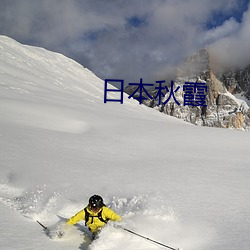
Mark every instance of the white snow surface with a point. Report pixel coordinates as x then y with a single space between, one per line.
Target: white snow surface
182 185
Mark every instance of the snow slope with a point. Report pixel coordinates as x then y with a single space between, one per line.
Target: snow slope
179 184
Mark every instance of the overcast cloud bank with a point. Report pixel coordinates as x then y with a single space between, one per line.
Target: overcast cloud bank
131 39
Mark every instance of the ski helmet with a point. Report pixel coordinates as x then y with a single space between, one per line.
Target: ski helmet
95 202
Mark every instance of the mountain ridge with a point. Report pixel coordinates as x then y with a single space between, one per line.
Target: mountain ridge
223 108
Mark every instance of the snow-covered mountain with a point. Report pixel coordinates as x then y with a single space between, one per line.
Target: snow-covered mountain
237 81
182 185
227 95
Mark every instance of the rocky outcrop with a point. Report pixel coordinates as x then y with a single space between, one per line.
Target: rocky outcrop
223 108
237 81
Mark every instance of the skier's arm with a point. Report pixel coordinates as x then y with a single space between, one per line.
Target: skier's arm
77 217
110 214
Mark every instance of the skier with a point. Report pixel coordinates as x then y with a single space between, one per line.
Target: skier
95 214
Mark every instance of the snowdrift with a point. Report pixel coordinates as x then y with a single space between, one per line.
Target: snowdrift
182 185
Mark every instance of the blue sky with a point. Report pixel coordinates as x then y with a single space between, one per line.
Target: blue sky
131 39
218 17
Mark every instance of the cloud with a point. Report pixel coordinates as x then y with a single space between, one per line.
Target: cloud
233 49
228 28
130 39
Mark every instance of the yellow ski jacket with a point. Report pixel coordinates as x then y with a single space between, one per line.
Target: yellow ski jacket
94 223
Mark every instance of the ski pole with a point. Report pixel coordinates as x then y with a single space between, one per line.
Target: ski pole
146 238
45 228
